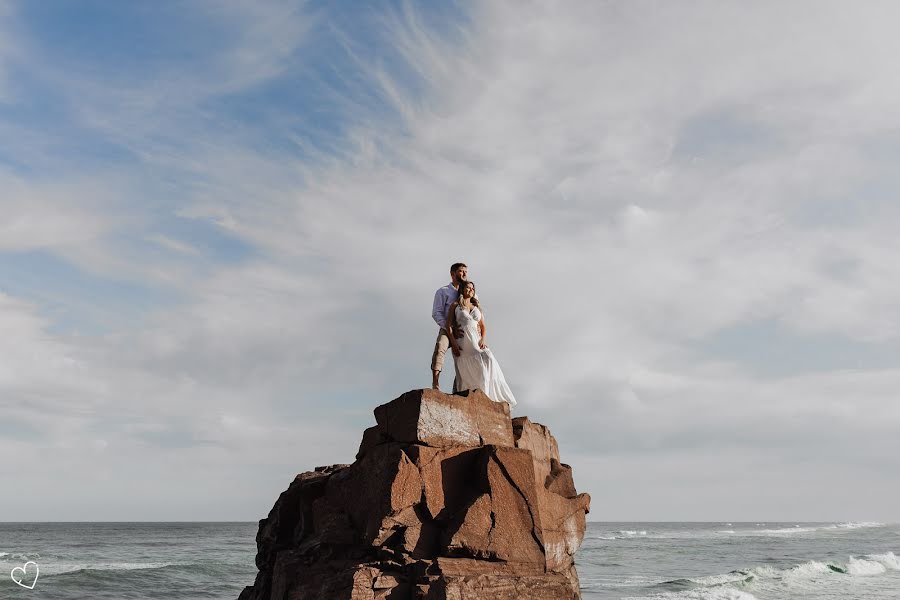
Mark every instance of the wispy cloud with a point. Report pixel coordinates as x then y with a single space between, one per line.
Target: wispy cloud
174 245
627 181
43 214
7 46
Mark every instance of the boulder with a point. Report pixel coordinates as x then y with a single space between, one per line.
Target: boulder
432 418
449 498
448 477
562 509
546 586
503 523
374 489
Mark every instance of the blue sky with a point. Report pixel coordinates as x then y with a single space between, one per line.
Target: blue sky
224 224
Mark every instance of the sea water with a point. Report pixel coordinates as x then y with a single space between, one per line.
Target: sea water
741 561
666 561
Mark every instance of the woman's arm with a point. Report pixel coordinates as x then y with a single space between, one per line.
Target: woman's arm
482 343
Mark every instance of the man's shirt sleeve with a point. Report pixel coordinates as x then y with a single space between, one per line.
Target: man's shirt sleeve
439 310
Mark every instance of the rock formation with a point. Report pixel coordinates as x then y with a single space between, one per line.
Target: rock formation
449 499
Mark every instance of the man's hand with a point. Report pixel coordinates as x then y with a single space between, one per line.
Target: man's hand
482 344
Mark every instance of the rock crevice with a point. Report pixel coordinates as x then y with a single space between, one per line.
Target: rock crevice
449 499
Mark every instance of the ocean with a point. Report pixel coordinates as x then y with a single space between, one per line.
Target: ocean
740 561
665 561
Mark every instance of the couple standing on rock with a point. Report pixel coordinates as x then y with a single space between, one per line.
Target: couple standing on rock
458 313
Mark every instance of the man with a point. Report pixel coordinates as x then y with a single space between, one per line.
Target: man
443 298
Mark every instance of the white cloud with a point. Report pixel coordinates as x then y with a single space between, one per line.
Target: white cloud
623 179
8 47
49 215
174 245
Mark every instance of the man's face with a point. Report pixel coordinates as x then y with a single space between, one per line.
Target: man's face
460 275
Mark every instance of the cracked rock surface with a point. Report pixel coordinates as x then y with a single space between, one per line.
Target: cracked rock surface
449 499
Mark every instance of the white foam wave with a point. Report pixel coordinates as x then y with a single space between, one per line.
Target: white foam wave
861 566
814 528
870 564
715 593
725 586
61 569
889 560
622 535
759 530
862 525
711 580
790 530
767 572
20 555
807 570
764 579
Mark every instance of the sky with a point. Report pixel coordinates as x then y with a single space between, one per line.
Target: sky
223 225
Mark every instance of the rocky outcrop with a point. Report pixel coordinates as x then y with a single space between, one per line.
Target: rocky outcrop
449 499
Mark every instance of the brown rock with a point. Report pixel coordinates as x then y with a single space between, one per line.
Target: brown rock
548 586
563 522
504 522
334 579
433 418
443 502
515 495
385 582
463 567
331 524
562 508
408 533
448 477
379 485
372 436
536 438
291 517
472 538
560 481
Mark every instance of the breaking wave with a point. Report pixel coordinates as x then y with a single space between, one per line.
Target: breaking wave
624 535
21 555
811 529
737 585
722 593
739 530
64 569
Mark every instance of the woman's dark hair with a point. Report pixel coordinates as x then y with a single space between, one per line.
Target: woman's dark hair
474 300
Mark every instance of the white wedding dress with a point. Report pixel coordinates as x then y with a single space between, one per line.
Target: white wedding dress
477 368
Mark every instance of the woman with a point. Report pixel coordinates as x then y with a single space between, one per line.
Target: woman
476 367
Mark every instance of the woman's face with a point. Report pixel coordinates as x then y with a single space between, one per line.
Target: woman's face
468 291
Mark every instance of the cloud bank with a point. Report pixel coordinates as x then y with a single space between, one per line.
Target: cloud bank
681 221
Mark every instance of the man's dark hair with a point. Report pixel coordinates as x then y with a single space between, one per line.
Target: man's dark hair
455 266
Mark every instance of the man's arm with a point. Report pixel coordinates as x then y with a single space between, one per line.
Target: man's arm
451 328
439 309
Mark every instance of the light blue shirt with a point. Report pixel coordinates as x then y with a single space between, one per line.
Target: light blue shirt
443 298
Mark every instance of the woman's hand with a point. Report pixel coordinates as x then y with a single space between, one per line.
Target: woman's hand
482 343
